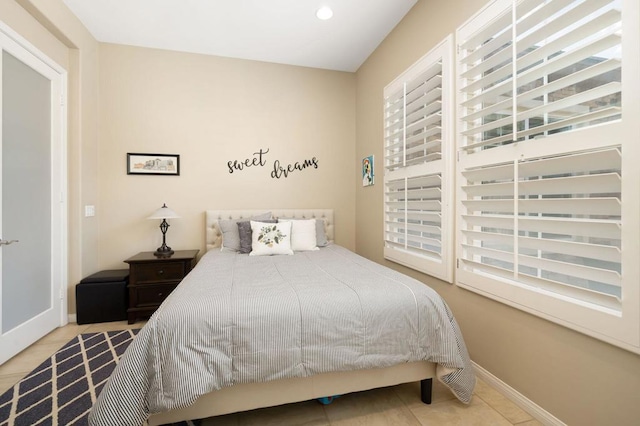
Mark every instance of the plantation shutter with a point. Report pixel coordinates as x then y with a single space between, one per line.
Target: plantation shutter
567 72
552 223
418 152
540 161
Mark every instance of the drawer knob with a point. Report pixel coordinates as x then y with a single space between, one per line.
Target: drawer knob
160 272
159 294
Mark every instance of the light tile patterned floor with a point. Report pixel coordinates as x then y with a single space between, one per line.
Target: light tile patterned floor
396 405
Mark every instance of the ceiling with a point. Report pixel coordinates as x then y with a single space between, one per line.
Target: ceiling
280 31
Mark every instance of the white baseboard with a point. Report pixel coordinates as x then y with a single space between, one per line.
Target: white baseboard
539 413
72 318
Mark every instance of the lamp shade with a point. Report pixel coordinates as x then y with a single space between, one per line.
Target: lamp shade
164 212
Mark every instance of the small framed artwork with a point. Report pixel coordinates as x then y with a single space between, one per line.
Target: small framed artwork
367 171
153 164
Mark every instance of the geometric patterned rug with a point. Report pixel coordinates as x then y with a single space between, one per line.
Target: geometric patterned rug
62 389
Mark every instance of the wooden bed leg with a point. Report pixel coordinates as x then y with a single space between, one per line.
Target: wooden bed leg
426 386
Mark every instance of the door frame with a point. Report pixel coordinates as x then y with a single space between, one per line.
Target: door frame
26 52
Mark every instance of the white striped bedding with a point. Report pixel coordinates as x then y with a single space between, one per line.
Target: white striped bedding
237 319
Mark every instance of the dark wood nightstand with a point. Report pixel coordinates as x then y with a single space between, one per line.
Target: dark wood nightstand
152 278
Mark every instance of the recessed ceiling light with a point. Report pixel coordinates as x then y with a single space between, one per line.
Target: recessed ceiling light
324 13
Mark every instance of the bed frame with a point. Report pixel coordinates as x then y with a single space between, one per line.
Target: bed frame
250 396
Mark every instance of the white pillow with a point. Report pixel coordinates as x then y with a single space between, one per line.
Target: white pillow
303 234
270 238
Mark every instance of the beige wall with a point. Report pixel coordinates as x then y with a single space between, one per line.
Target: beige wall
579 380
21 22
212 110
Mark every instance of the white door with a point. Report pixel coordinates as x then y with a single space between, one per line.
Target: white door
32 195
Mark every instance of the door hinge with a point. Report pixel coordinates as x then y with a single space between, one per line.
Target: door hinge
458 263
61 294
61 100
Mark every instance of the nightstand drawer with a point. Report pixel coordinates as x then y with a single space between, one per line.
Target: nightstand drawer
153 278
158 272
153 295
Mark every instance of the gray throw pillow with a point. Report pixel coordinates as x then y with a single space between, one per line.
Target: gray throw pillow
229 229
321 235
244 229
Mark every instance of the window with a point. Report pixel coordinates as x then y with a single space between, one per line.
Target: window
418 165
545 172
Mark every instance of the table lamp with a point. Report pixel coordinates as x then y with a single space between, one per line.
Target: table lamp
164 213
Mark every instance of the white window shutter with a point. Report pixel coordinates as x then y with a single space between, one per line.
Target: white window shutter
540 173
418 147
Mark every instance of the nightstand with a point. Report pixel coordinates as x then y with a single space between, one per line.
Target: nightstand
152 278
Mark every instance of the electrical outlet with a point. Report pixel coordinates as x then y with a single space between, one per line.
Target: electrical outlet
89 211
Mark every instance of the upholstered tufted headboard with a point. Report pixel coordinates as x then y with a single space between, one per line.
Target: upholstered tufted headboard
213 235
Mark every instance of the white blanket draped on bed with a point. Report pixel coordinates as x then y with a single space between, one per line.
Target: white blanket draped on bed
237 319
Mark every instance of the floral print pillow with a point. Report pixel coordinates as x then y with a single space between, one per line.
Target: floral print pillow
270 238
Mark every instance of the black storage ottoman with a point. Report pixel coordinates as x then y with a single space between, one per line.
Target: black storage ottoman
102 297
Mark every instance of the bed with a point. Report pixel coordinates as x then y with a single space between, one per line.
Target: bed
233 338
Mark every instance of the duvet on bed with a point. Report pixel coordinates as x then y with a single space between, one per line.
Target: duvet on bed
238 318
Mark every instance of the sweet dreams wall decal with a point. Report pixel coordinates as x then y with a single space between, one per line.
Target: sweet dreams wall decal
277 171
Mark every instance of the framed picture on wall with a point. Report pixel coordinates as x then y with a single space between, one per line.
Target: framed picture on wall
153 164
367 171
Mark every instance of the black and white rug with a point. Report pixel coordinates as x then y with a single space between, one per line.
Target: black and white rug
62 389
